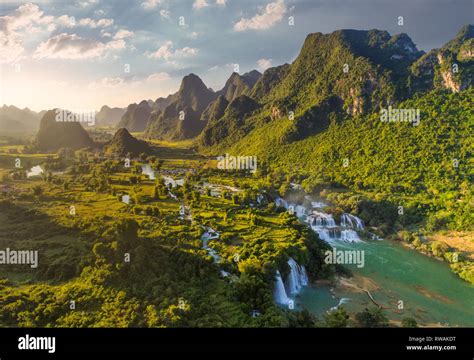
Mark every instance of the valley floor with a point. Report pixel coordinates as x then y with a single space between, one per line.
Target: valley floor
79 221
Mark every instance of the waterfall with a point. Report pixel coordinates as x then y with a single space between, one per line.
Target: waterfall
147 170
328 235
350 236
300 211
321 219
297 277
331 235
325 226
279 293
342 301
317 204
351 221
169 180
34 171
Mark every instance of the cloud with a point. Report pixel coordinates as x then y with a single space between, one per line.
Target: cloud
269 16
166 52
10 50
120 82
264 64
73 47
86 3
26 19
200 4
161 76
213 68
66 20
122 34
186 52
165 13
150 4
106 82
23 17
96 23
163 52
222 67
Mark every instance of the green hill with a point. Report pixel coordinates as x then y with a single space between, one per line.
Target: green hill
451 67
53 135
231 124
108 116
181 118
348 71
136 117
123 144
323 126
238 85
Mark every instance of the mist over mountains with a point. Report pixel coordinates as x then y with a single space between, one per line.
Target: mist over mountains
16 121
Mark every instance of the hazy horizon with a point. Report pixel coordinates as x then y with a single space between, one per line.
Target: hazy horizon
75 54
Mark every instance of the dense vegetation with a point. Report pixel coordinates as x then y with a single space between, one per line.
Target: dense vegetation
141 264
107 261
429 165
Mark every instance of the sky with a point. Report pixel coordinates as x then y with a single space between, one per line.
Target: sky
82 54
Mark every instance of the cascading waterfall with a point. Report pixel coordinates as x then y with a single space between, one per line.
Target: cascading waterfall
327 229
297 277
317 204
349 236
325 226
321 219
328 235
332 235
351 221
300 210
279 293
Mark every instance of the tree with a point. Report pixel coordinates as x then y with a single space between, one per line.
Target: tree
336 318
373 318
37 190
409 322
156 193
302 319
284 188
